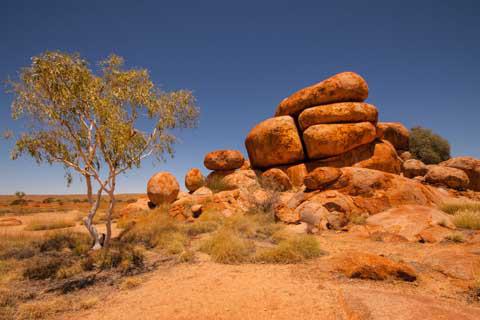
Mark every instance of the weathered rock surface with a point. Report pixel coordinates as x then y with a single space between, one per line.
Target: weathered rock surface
203 191
412 222
379 155
275 179
363 265
223 160
327 140
405 155
230 180
447 176
194 179
413 168
342 87
344 112
321 177
470 166
396 133
296 173
162 188
376 191
273 142
458 264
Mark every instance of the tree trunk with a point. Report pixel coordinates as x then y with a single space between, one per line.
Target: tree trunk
111 206
88 222
88 180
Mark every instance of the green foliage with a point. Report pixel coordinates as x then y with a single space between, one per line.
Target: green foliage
428 147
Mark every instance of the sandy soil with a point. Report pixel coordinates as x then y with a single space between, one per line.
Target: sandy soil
206 290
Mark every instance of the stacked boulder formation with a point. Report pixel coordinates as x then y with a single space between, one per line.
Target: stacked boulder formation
323 159
327 125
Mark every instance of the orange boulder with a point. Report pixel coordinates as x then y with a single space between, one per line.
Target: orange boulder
396 133
223 160
162 188
274 141
327 140
194 179
321 177
342 87
342 112
275 179
470 166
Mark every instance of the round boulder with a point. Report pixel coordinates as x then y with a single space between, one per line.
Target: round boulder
396 134
338 113
223 160
274 141
276 179
194 179
413 168
342 87
162 188
470 166
327 140
321 177
449 177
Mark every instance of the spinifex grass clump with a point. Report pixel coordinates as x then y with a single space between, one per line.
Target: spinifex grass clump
466 213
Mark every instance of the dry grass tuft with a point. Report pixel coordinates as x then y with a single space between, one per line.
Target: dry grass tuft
358 219
452 207
294 249
228 247
130 283
467 219
49 224
456 237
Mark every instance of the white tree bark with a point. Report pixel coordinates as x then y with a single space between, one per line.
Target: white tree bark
88 222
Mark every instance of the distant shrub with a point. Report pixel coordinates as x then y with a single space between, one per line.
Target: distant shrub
49 224
18 202
131 200
427 146
49 200
42 268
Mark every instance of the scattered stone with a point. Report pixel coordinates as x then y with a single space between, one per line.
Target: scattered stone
369 266
273 142
447 176
405 155
224 160
413 168
162 188
396 134
343 112
321 177
275 179
194 179
342 87
470 166
326 140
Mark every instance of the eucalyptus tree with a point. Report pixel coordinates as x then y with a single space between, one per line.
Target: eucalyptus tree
93 123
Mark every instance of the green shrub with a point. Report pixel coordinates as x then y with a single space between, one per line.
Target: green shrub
428 146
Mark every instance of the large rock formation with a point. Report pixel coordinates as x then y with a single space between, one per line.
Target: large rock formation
162 188
346 86
326 124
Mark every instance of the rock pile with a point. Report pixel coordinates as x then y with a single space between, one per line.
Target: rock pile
326 124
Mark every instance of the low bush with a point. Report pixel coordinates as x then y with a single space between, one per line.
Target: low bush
79 243
42 268
427 146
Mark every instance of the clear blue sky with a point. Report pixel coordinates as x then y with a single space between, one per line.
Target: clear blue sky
420 59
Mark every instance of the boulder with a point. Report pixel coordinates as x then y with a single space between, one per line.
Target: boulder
273 142
296 173
379 155
140 205
202 191
230 180
224 160
194 179
327 140
314 215
405 155
343 112
321 177
162 188
470 166
363 265
335 201
342 87
284 208
412 221
447 176
246 165
275 179
413 168
396 134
